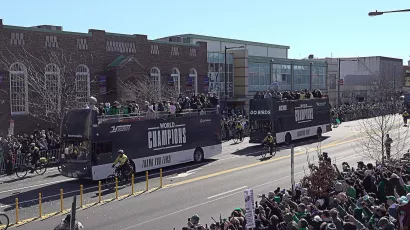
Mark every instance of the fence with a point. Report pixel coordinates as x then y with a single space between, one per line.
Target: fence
52 156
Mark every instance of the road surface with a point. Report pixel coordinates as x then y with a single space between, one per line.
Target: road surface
208 189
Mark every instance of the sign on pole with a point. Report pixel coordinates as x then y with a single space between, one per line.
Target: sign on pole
249 209
73 212
292 168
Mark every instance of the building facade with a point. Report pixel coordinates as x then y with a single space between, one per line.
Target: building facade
357 74
45 70
256 66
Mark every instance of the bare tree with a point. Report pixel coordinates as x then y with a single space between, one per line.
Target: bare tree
385 119
145 88
53 82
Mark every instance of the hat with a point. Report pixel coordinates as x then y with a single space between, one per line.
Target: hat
330 226
383 221
338 187
317 219
391 198
302 206
394 175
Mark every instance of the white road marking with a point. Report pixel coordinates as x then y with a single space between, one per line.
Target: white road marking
36 185
233 190
185 174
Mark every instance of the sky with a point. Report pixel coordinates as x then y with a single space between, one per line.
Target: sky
318 27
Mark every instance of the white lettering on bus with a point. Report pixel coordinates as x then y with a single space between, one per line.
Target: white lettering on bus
170 135
156 161
303 113
302 133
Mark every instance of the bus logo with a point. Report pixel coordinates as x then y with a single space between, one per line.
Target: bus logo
259 112
120 128
303 113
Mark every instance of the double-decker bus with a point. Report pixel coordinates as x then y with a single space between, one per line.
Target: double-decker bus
288 120
90 142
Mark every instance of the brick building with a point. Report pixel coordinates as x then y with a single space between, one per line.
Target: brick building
44 70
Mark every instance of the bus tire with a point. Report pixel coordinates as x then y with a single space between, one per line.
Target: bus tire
288 139
319 132
198 155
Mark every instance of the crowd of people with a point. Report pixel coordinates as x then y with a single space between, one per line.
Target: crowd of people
363 110
172 106
43 139
366 197
289 95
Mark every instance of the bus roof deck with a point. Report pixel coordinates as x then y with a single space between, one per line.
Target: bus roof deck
157 115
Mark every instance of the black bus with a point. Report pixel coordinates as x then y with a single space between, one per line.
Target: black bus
288 119
90 142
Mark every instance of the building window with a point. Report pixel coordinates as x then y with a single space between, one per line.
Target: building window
259 77
82 85
282 74
301 77
156 81
215 82
174 51
82 44
17 39
192 52
53 88
122 47
18 88
174 82
51 41
154 49
319 77
192 82
332 81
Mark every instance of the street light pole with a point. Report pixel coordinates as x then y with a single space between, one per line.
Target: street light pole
377 13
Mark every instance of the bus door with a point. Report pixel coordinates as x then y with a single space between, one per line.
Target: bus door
259 130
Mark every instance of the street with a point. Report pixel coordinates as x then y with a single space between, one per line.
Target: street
209 189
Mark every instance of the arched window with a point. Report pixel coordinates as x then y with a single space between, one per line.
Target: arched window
52 87
175 75
18 88
156 80
82 85
193 75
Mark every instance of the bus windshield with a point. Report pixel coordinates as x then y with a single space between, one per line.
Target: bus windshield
76 124
261 125
77 150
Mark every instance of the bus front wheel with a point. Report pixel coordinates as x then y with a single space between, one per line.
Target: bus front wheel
198 155
288 139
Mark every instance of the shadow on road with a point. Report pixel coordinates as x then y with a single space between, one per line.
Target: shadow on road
255 151
51 192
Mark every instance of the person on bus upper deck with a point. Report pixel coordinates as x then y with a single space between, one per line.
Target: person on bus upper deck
270 141
122 159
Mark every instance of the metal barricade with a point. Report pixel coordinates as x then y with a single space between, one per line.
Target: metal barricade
53 157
